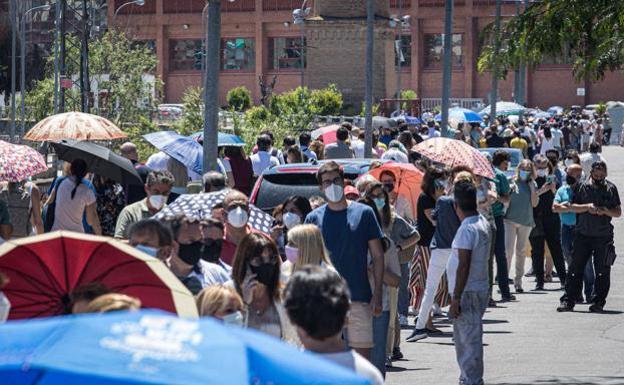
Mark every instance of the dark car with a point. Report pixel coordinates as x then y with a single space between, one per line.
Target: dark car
278 183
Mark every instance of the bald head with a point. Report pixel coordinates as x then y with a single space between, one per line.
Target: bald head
574 170
129 151
235 196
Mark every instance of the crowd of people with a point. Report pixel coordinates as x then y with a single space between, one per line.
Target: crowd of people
340 272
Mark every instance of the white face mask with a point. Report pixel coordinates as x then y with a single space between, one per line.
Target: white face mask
480 196
235 319
568 162
334 193
542 172
237 217
157 201
5 307
291 220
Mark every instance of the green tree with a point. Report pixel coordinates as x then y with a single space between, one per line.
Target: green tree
589 31
239 98
135 135
193 118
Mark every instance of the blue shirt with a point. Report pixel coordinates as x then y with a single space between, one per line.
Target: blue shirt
564 194
447 223
346 234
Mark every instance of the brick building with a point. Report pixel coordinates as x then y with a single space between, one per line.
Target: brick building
259 38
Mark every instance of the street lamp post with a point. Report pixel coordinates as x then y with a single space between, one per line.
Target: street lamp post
368 94
140 3
205 44
299 19
494 92
13 64
446 76
45 7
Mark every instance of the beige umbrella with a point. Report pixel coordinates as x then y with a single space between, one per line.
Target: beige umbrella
74 125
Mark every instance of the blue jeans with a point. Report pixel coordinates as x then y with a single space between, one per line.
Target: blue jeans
567 242
380 339
404 296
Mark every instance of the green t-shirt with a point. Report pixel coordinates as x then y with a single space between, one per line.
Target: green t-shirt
502 188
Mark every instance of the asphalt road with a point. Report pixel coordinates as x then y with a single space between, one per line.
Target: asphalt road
527 341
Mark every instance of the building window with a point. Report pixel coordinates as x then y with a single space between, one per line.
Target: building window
238 54
434 50
564 58
285 53
403 51
185 55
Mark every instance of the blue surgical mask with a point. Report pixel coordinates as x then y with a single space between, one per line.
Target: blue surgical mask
379 203
235 319
151 251
524 175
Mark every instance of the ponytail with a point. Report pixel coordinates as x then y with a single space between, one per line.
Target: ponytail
78 170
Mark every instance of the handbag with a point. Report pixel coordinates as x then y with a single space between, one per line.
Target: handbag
47 213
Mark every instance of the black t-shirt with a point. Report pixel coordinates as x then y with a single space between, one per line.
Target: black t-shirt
426 229
544 206
135 193
605 196
495 141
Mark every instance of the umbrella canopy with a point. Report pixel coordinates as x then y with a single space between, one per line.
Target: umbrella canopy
181 148
408 178
74 125
327 133
504 109
453 153
156 348
223 140
44 270
555 110
18 162
100 160
461 115
410 120
199 206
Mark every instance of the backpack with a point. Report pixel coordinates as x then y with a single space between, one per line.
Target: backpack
49 209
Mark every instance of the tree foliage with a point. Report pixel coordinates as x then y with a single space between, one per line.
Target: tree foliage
239 98
590 31
192 119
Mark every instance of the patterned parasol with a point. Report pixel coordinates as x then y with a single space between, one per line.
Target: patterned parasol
74 125
199 206
453 153
18 162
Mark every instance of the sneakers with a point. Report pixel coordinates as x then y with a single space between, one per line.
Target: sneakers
519 289
417 334
595 308
491 302
436 310
396 354
508 298
565 307
548 278
539 287
403 320
388 362
530 273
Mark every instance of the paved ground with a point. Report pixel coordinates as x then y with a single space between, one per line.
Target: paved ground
528 342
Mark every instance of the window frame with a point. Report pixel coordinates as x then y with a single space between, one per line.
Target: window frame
272 59
172 45
440 66
252 67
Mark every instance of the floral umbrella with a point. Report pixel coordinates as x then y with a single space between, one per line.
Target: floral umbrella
74 125
18 162
453 153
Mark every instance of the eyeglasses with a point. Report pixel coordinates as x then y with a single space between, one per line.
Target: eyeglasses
260 259
328 182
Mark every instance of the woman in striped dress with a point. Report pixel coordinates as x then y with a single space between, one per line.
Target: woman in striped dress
433 186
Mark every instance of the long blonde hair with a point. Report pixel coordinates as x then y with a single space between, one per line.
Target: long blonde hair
214 299
309 240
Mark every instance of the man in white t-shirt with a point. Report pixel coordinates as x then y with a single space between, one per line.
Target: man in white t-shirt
263 159
317 302
588 158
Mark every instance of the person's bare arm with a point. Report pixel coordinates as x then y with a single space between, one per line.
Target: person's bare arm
230 179
377 254
429 215
35 198
391 279
409 241
534 195
6 231
92 218
463 269
614 212
563 207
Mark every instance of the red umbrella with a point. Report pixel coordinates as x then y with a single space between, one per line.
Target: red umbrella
452 152
44 270
408 180
326 133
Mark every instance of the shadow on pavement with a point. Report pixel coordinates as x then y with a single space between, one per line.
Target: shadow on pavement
496 332
606 312
567 380
494 321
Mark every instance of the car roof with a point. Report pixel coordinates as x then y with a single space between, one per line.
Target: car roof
494 149
350 166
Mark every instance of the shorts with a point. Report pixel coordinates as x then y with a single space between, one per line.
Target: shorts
360 326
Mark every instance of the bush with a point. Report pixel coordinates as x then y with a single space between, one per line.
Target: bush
326 101
409 94
239 98
192 119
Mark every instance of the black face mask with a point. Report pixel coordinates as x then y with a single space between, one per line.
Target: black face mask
570 180
264 273
388 187
190 253
212 250
599 182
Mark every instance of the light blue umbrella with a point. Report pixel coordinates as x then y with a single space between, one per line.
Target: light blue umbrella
181 148
411 120
223 140
505 109
459 114
152 347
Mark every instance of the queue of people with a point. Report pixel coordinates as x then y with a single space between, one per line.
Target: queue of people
340 272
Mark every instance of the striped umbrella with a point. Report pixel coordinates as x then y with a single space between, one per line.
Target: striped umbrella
453 153
74 125
18 162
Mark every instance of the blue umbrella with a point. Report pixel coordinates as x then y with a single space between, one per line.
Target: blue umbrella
229 140
181 148
459 114
153 347
411 120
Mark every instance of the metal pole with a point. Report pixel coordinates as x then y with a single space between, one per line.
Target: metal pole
370 35
57 42
494 92
22 71
204 43
302 49
521 99
211 86
399 54
13 64
447 74
517 70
